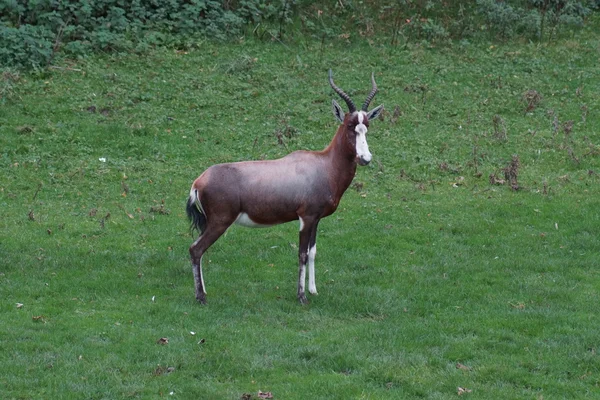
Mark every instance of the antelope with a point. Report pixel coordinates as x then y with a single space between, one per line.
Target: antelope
303 186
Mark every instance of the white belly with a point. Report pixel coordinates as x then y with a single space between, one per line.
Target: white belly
244 220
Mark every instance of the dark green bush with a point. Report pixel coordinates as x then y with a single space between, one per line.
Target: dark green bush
26 46
435 20
531 18
501 17
32 31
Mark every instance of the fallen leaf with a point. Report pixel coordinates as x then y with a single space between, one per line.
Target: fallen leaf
19 305
265 395
459 181
163 340
462 390
462 367
246 396
160 370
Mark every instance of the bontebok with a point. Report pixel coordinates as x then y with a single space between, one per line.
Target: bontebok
303 186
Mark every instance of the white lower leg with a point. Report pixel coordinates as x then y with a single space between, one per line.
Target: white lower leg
302 279
198 278
312 287
202 276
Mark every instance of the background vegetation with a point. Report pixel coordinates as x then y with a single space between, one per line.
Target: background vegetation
463 261
32 32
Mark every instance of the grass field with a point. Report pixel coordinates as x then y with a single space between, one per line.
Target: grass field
436 278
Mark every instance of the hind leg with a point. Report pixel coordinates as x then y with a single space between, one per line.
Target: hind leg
199 280
197 250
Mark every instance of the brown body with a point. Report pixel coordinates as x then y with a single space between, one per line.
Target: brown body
304 186
301 184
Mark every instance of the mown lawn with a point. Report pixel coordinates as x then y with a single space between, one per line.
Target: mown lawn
435 277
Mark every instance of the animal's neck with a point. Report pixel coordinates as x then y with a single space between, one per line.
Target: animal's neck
343 161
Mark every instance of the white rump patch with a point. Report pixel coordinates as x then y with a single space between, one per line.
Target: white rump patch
194 199
244 220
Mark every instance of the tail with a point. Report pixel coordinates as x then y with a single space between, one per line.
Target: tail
195 212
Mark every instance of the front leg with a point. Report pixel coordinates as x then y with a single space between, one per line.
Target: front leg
306 227
303 258
312 252
312 286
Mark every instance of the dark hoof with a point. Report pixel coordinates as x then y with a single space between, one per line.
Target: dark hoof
201 300
302 298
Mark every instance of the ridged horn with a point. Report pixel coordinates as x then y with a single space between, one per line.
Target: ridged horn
343 95
365 105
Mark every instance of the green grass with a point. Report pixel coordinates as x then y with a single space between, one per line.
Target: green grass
424 265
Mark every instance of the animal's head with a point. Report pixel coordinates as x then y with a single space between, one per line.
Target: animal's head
356 122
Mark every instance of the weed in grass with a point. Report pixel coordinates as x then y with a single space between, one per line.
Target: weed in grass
9 79
499 128
532 99
511 173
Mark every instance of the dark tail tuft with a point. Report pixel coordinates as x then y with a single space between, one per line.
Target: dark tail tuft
196 217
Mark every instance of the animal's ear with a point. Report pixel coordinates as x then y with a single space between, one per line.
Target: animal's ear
337 111
374 113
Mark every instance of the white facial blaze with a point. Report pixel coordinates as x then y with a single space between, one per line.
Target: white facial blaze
362 148
361 117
